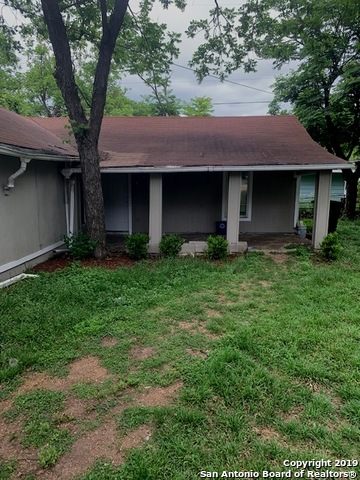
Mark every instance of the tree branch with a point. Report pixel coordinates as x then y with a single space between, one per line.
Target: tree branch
64 73
106 50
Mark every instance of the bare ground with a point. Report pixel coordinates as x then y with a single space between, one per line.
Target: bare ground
102 442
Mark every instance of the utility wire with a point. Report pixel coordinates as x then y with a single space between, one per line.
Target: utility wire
225 80
238 103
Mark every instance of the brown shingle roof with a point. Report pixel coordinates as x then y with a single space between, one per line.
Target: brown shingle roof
210 141
22 132
183 142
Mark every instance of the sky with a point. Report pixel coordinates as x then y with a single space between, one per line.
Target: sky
244 94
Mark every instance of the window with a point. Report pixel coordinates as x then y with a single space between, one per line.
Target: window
246 196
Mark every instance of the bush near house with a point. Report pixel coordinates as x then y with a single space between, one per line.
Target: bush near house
330 246
136 245
217 247
80 246
170 245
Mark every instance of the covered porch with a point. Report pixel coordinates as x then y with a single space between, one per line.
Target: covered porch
231 207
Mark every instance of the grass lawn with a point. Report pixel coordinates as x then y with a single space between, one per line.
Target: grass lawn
169 368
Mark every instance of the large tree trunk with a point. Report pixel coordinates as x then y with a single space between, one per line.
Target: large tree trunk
352 179
92 194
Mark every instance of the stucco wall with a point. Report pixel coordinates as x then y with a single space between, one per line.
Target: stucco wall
191 202
32 216
273 203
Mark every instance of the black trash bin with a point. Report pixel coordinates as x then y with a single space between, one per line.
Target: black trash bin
221 228
334 215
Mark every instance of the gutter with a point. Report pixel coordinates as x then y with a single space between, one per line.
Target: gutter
35 155
218 168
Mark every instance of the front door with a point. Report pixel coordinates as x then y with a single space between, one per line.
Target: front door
116 201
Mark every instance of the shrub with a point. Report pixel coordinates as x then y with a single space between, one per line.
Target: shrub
330 247
217 247
170 245
80 246
136 245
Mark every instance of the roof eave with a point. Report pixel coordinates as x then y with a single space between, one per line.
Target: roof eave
29 153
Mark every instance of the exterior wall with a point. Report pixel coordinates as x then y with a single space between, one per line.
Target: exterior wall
191 202
140 202
273 203
32 216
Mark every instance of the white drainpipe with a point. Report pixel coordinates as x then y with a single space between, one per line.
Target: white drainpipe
11 180
69 187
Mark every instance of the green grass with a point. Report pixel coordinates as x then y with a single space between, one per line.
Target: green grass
280 376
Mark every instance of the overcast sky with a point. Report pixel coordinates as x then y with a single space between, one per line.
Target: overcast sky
243 94
229 99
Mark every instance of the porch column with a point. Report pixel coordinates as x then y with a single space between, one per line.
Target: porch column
322 207
155 209
233 207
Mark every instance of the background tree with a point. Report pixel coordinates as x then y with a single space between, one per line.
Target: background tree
198 107
322 37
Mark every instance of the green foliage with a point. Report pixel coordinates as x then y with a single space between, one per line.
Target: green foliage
198 107
136 245
7 469
330 246
217 247
80 246
170 245
321 36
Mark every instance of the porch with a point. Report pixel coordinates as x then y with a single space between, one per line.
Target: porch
267 242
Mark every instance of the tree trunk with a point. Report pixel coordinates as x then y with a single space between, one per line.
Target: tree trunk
352 179
92 194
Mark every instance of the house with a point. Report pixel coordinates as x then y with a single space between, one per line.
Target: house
160 175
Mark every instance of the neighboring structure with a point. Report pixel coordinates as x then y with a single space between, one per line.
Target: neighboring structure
163 175
307 189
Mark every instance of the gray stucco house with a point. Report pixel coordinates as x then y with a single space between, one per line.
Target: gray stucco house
160 175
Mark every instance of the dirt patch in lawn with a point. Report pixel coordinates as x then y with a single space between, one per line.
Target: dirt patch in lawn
278 258
268 434
11 448
87 369
158 396
109 341
197 353
212 313
142 353
194 328
136 438
101 442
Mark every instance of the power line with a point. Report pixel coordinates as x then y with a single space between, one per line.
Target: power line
238 103
225 80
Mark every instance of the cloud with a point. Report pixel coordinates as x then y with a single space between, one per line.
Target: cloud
229 99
